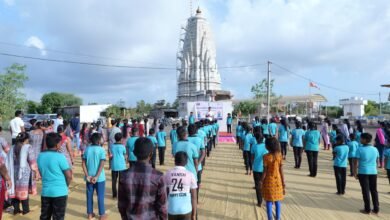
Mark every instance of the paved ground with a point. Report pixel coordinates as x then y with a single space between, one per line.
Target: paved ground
227 193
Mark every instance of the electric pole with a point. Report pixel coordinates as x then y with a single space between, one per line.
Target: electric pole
268 90
380 104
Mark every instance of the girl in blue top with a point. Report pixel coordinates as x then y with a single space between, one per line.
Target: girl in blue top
162 143
297 136
258 151
265 128
155 145
353 146
247 150
118 161
312 144
340 156
365 164
238 133
130 144
283 133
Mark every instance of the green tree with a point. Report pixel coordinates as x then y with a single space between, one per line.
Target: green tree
33 107
245 107
114 109
259 90
143 107
11 96
371 109
51 102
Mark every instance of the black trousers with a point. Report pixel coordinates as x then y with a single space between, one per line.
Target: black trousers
229 128
341 178
115 175
180 217
369 186
283 146
209 147
53 208
13 141
161 155
25 205
247 160
238 141
351 166
131 163
214 138
388 174
257 179
298 156
153 159
312 159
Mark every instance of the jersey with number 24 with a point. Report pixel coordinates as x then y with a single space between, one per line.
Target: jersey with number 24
180 182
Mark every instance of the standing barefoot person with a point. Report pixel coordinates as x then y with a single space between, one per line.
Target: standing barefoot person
312 144
366 171
258 151
297 142
340 156
273 186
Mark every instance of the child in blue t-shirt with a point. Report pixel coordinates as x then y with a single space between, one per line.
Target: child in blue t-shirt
94 158
238 133
130 144
258 151
155 145
118 161
366 163
340 160
173 135
353 146
247 150
162 143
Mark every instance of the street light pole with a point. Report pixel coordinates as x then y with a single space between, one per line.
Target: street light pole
269 90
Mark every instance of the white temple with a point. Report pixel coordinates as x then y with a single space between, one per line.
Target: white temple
198 77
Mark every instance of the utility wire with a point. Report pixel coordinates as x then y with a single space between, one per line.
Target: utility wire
322 84
116 66
77 54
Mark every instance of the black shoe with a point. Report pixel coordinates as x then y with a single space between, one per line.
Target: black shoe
365 212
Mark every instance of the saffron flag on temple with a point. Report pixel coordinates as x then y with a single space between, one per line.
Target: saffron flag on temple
313 85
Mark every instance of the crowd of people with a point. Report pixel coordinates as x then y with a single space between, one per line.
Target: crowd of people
264 146
48 150
47 153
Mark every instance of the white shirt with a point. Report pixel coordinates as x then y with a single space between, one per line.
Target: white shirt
57 122
16 125
210 115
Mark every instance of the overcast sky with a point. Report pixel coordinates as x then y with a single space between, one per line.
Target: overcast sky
341 44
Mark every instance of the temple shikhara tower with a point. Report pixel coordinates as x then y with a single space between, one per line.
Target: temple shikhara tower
198 76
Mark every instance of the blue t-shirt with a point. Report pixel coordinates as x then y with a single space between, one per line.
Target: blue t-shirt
229 120
312 138
154 140
51 165
283 133
199 143
173 136
256 124
118 162
265 128
358 134
202 135
93 154
367 157
341 158
238 130
387 155
214 129
247 142
130 148
161 136
272 128
191 120
332 136
353 146
297 137
258 151
192 153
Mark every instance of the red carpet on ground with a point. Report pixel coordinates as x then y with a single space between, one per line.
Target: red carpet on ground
227 138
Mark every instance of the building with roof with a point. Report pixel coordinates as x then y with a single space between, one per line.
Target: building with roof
353 107
309 105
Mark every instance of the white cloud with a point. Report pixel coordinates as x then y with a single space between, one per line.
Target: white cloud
34 41
9 2
329 41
